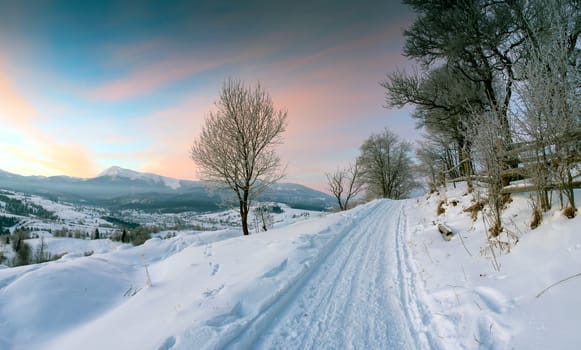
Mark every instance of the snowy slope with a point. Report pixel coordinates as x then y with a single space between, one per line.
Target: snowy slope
210 290
376 277
475 305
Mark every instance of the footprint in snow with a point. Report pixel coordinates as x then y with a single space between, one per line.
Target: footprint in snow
211 292
208 250
215 269
168 343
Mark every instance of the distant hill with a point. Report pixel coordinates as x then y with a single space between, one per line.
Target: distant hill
119 188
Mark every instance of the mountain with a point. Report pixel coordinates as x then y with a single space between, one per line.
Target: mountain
119 188
116 172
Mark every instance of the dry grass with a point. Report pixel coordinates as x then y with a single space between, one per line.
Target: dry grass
536 219
569 212
505 199
441 210
494 230
474 209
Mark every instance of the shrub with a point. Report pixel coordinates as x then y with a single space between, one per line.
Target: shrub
570 212
474 209
23 255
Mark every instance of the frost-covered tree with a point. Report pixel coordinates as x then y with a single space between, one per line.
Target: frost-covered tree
549 99
488 145
235 149
386 166
445 102
478 38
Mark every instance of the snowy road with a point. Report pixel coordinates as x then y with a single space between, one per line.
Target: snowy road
343 281
358 297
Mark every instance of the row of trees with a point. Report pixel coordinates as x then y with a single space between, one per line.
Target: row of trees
498 84
23 208
384 169
23 252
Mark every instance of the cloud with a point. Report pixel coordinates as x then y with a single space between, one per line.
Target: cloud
166 65
36 150
329 101
14 109
149 79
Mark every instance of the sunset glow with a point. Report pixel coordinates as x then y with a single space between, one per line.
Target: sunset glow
88 85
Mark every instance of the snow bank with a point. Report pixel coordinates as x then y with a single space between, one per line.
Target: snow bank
474 305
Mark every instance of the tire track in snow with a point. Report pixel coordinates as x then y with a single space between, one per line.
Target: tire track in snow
345 302
417 315
242 333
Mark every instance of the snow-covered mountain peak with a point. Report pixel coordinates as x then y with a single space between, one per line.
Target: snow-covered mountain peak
118 172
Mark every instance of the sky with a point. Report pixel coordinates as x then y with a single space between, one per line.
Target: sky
85 85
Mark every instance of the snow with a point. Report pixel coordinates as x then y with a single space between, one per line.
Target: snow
376 277
474 305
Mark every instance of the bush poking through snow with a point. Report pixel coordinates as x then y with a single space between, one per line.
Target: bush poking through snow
495 230
505 199
536 219
570 212
441 210
474 209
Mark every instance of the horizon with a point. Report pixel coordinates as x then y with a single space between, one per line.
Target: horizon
87 86
103 171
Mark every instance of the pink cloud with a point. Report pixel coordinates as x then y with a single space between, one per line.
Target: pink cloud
175 65
149 79
14 109
129 53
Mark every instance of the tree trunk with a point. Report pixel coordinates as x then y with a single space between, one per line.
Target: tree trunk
570 190
244 217
466 163
264 228
244 209
341 208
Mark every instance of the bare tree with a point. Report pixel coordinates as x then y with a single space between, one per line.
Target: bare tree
431 164
386 166
235 149
345 184
263 219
